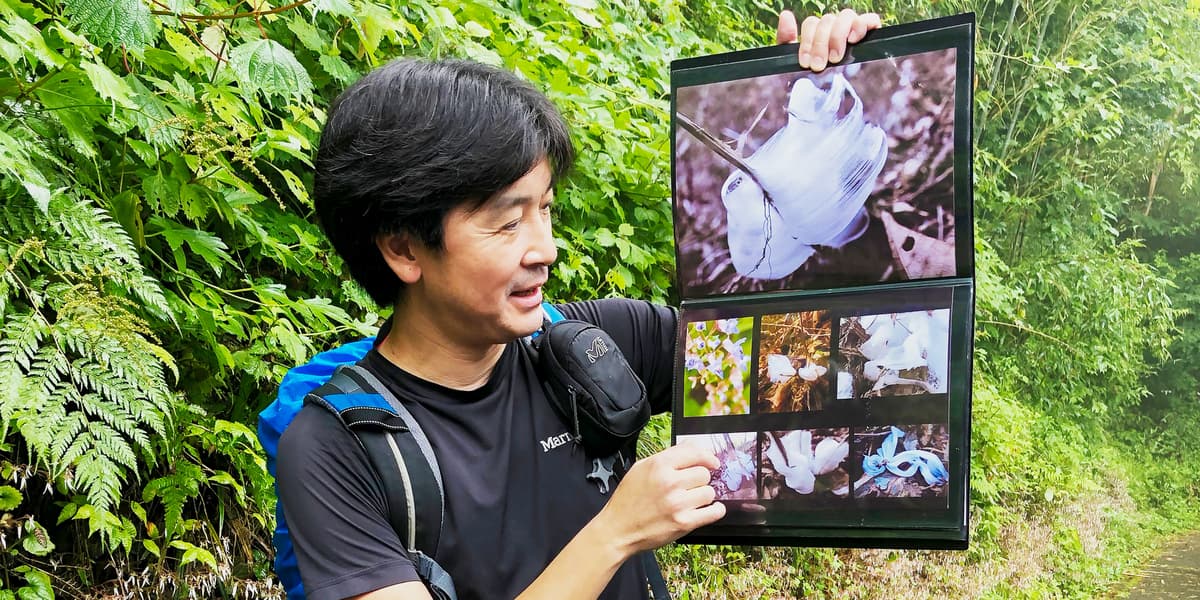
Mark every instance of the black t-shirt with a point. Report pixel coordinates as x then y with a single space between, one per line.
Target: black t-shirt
516 493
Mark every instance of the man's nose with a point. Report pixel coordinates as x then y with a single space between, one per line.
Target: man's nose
542 250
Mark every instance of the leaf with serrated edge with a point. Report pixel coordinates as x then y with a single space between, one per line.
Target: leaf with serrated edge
340 8
266 66
116 22
108 84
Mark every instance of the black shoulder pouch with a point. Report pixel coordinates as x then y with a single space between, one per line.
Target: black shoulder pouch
591 386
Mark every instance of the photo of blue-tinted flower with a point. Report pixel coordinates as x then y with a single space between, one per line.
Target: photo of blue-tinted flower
737 477
906 461
716 367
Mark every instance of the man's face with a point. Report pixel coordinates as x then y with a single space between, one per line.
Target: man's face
485 285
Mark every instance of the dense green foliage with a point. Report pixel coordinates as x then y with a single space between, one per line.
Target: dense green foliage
160 269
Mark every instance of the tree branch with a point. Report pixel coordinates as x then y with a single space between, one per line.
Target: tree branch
230 16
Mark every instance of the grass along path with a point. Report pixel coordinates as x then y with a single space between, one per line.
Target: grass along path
1174 574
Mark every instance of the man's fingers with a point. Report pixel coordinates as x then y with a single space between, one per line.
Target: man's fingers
707 515
786 32
699 497
807 29
820 44
694 477
864 23
687 455
839 33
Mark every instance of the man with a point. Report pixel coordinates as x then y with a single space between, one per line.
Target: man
434 183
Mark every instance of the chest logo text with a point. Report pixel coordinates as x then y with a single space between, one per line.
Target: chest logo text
555 441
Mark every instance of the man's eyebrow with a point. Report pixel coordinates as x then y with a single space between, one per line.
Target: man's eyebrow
508 201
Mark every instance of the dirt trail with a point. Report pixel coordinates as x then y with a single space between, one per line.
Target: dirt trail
1174 573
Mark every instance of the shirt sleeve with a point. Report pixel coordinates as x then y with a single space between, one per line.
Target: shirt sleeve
336 511
646 334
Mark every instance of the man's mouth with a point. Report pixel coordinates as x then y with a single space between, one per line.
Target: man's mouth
528 292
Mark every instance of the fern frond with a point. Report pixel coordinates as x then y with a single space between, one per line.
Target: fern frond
117 417
118 393
82 239
99 477
175 490
112 444
23 334
67 445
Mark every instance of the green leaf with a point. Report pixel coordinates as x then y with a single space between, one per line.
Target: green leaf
587 18
117 22
204 244
193 553
340 8
266 66
37 540
308 34
338 69
151 547
474 29
25 34
10 498
296 186
604 237
38 585
14 161
187 50
108 84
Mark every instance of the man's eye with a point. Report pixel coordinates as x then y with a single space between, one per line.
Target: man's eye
511 225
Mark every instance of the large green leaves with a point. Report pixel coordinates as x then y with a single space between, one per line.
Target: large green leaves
113 22
266 66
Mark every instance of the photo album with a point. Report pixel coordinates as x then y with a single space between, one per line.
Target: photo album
825 259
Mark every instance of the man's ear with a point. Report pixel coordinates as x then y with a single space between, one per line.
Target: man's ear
397 251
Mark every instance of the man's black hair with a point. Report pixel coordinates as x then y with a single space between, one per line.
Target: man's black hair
414 139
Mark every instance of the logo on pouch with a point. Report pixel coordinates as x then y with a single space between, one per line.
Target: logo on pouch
598 349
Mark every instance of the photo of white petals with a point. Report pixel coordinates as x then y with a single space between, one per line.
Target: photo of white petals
806 465
897 354
793 362
805 181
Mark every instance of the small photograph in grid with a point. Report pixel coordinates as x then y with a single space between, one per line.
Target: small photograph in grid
793 361
896 354
736 478
716 367
805 466
901 461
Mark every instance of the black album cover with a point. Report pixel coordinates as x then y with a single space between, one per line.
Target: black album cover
823 235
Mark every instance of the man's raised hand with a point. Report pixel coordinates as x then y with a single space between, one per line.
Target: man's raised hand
823 39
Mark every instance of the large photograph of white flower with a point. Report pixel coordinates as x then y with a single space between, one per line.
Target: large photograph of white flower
801 181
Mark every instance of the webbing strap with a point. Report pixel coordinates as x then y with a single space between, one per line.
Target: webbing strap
416 505
395 445
654 576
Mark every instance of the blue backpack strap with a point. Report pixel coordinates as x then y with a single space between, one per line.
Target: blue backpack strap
402 456
296 386
274 419
552 313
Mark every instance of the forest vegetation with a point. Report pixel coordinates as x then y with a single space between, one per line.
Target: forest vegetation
161 269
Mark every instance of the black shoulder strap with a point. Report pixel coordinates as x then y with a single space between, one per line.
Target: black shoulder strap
402 456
